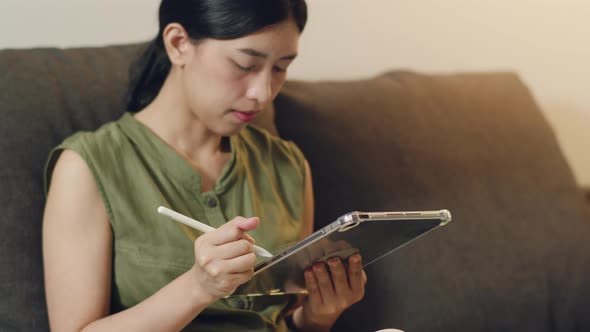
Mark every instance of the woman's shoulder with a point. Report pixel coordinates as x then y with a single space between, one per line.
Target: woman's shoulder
88 145
265 148
262 140
106 135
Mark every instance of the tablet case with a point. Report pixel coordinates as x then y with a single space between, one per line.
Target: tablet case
372 234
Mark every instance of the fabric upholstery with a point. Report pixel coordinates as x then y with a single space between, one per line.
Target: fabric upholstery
45 96
513 259
515 256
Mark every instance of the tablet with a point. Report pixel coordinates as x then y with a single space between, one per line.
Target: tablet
372 234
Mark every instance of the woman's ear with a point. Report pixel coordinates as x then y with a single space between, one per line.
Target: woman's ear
177 43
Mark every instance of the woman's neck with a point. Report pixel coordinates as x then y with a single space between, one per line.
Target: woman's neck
174 122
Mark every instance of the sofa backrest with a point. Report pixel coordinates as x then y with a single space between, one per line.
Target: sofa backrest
46 95
514 258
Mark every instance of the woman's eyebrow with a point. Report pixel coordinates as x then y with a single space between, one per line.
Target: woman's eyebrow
253 52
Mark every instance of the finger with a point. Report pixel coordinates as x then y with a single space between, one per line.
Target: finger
232 249
315 251
242 263
324 283
247 224
248 238
356 274
232 230
313 290
339 277
238 264
341 245
327 247
305 260
243 277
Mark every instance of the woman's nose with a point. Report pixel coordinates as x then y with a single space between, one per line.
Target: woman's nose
260 88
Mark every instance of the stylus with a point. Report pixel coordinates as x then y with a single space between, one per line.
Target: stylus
201 227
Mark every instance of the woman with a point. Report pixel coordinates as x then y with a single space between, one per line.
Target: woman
112 263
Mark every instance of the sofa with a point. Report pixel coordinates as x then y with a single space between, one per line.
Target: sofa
516 256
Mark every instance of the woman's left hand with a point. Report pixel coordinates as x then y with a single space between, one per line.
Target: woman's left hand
329 293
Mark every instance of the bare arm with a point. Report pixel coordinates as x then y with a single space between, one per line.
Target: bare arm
77 242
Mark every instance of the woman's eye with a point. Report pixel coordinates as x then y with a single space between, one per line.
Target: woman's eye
245 69
279 69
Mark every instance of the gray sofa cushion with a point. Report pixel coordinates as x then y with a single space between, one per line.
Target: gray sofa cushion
516 255
47 94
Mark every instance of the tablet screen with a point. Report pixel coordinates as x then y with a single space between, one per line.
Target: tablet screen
373 235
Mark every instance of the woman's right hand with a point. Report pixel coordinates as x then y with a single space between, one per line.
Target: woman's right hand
225 258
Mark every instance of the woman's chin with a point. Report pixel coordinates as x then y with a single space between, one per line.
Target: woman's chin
231 130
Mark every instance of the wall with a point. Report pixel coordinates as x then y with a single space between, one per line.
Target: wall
545 41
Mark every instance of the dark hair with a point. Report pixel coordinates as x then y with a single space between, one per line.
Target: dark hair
218 19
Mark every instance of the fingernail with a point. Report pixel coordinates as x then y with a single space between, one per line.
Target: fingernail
333 261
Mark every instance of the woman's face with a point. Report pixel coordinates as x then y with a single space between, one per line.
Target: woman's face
227 83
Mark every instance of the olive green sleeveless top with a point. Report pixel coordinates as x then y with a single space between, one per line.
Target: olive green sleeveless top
136 172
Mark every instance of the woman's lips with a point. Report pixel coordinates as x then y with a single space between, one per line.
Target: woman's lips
245 116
